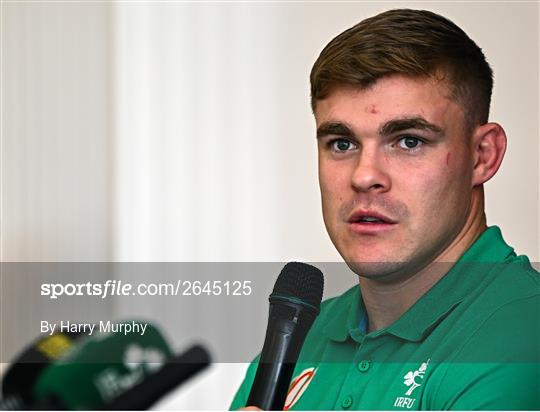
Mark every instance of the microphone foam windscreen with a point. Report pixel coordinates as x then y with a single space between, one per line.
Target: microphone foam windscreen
302 281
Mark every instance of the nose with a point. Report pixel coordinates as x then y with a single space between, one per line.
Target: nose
370 174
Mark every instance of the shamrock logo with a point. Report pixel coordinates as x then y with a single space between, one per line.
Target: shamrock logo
410 378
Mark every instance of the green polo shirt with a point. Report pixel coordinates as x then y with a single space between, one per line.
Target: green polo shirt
471 342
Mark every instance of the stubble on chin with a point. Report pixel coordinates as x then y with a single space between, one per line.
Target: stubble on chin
375 270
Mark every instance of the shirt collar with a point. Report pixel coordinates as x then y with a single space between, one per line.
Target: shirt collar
437 303
346 317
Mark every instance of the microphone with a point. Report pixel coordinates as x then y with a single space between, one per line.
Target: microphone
294 305
176 371
100 369
20 377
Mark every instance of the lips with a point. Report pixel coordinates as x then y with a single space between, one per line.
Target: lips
370 223
370 218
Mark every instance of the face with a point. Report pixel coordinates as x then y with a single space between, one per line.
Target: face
395 172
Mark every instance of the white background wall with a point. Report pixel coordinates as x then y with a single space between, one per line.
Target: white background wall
181 131
56 148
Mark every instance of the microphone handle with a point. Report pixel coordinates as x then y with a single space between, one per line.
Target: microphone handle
280 352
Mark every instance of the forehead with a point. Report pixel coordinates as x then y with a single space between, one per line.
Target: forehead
389 98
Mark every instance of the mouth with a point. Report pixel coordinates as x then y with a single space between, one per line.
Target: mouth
370 217
367 222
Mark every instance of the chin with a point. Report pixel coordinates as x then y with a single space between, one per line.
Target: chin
376 270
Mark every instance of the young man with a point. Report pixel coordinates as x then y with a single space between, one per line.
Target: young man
446 316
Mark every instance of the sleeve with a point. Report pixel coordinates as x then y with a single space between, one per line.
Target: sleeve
498 367
242 394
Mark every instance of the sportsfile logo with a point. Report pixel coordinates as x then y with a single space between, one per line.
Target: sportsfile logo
412 379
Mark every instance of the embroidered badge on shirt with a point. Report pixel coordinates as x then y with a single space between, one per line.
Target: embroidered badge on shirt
413 379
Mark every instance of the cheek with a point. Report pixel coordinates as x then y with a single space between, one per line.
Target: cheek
333 184
331 177
439 192
425 186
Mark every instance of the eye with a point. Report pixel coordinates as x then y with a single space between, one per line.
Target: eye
342 145
410 143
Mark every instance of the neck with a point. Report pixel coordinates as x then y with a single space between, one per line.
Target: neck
386 301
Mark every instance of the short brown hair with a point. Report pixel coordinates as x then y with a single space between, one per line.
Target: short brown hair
410 42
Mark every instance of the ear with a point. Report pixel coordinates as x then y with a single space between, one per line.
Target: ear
489 146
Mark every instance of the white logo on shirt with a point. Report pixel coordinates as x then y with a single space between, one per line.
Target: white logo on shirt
410 378
413 379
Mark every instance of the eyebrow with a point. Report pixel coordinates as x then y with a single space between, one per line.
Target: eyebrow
388 128
334 128
399 125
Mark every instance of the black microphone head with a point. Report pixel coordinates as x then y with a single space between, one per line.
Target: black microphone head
300 281
294 304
